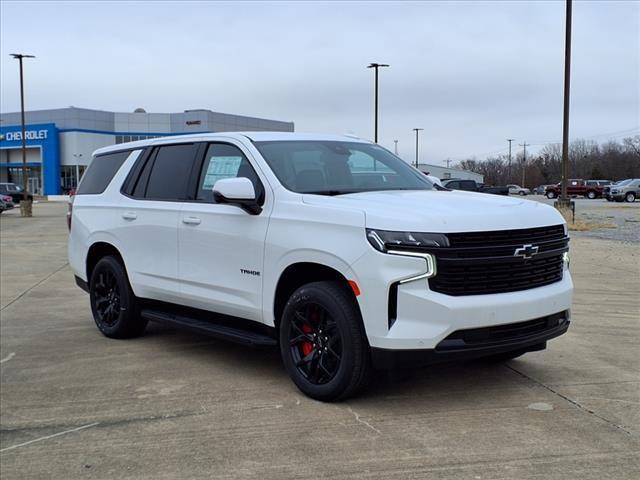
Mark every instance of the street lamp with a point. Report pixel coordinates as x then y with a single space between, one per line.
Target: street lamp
25 204
77 156
417 130
376 66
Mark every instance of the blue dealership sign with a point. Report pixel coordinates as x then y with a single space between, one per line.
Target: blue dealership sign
45 136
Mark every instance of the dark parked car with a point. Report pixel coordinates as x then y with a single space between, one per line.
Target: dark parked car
473 186
14 191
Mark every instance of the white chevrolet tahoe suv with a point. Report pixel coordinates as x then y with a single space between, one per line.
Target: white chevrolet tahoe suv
330 247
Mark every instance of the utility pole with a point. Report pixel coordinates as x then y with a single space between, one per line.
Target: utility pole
376 66
564 201
524 160
395 147
509 169
417 130
25 204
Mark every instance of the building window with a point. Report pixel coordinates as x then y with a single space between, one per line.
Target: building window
68 179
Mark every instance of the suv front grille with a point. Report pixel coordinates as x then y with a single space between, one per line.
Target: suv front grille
480 263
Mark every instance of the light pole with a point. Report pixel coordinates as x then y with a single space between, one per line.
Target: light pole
25 204
376 66
524 160
395 147
77 157
509 169
563 201
417 130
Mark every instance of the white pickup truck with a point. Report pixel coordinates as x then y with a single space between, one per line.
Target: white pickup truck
330 247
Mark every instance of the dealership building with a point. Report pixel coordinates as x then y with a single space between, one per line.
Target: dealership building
60 142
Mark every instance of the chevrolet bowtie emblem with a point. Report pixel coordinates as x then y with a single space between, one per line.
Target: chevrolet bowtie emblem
526 251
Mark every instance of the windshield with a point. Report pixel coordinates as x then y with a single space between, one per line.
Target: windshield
335 168
623 182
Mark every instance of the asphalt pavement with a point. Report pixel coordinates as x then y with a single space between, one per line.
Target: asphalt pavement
171 404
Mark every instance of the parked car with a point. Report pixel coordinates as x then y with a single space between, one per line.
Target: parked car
6 203
518 190
606 190
541 190
330 248
14 191
577 187
473 186
627 191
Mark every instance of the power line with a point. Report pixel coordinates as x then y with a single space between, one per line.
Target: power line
619 133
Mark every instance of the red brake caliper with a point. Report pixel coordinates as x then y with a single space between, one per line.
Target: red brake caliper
307 347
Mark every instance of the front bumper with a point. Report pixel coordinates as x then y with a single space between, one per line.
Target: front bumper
480 342
423 318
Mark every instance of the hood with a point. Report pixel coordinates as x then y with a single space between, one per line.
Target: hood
442 211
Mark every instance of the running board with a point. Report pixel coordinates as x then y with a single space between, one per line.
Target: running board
207 327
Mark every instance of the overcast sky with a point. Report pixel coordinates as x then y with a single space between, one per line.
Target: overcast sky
470 73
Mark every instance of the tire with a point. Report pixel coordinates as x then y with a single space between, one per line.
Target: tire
630 197
322 342
551 195
521 193
591 195
113 304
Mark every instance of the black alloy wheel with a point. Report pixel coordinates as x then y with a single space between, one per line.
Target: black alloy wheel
113 304
315 343
107 298
322 341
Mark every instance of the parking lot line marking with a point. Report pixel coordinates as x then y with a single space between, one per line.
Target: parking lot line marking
8 357
37 284
49 436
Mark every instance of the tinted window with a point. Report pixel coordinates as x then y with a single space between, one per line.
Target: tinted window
224 161
100 173
141 183
467 185
170 172
453 185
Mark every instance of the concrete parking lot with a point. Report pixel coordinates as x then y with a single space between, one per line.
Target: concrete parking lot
74 404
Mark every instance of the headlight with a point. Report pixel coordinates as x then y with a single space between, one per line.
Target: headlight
407 244
384 240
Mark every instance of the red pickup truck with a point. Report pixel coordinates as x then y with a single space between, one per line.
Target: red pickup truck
583 188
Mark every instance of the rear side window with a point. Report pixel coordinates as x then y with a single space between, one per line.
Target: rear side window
169 173
101 172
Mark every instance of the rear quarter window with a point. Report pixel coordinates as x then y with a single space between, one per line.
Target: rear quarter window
101 172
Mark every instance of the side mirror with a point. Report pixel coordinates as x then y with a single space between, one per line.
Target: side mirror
237 191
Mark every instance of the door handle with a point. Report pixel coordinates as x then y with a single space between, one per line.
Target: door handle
129 216
191 220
